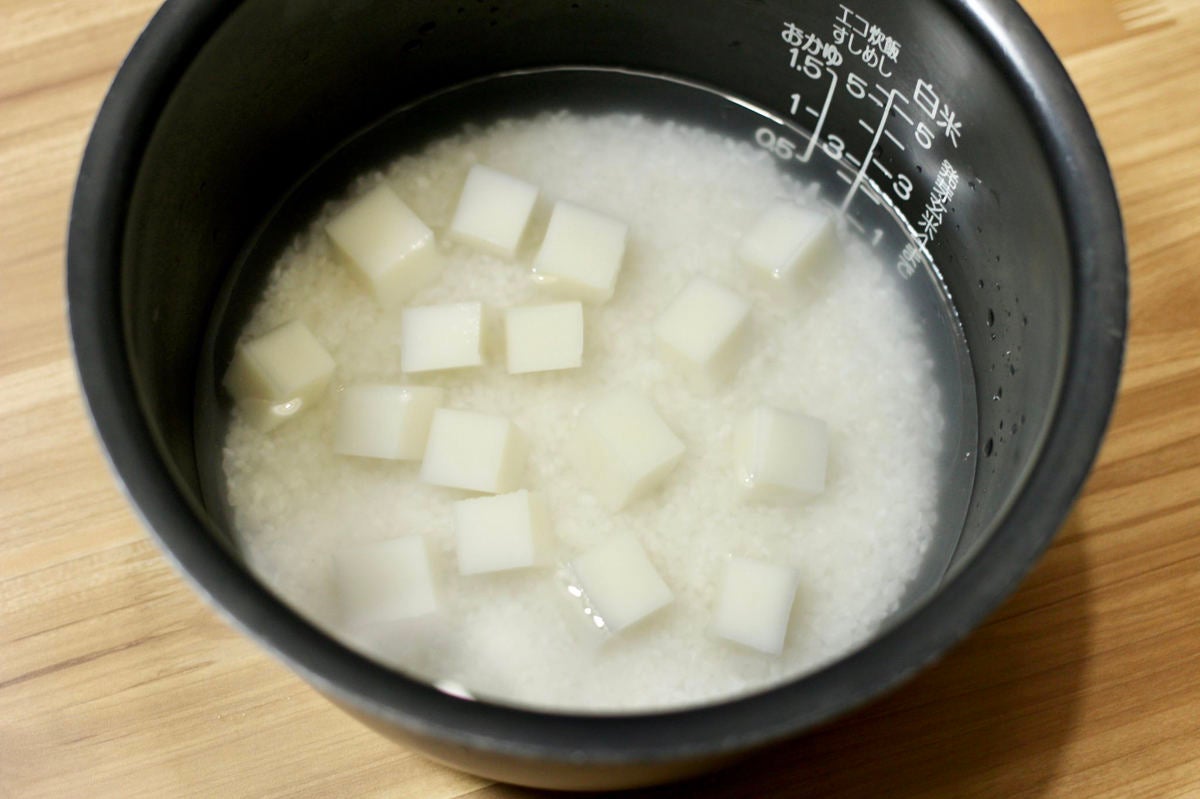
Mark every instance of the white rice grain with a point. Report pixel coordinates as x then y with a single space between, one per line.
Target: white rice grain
852 354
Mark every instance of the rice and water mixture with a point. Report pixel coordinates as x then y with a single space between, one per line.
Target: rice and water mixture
848 351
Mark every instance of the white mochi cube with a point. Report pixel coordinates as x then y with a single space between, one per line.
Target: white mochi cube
474 451
754 603
435 337
620 583
385 421
281 366
788 242
493 210
385 582
388 247
581 253
541 338
623 448
702 332
780 454
499 533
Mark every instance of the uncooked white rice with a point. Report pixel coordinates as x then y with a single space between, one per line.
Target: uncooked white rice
850 352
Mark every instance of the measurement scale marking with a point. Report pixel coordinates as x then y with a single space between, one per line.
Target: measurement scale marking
869 157
895 141
816 134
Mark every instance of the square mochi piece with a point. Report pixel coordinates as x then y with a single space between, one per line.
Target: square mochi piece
788 242
780 454
388 247
542 338
754 603
702 332
385 421
474 451
623 448
493 534
435 337
620 583
493 210
581 253
384 582
282 366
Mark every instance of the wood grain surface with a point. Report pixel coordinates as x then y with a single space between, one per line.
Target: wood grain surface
116 681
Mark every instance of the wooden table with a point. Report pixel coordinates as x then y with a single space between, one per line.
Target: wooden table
116 681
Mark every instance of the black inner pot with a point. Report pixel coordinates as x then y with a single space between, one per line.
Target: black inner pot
223 107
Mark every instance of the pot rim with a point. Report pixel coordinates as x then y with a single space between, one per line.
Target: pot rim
1091 373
